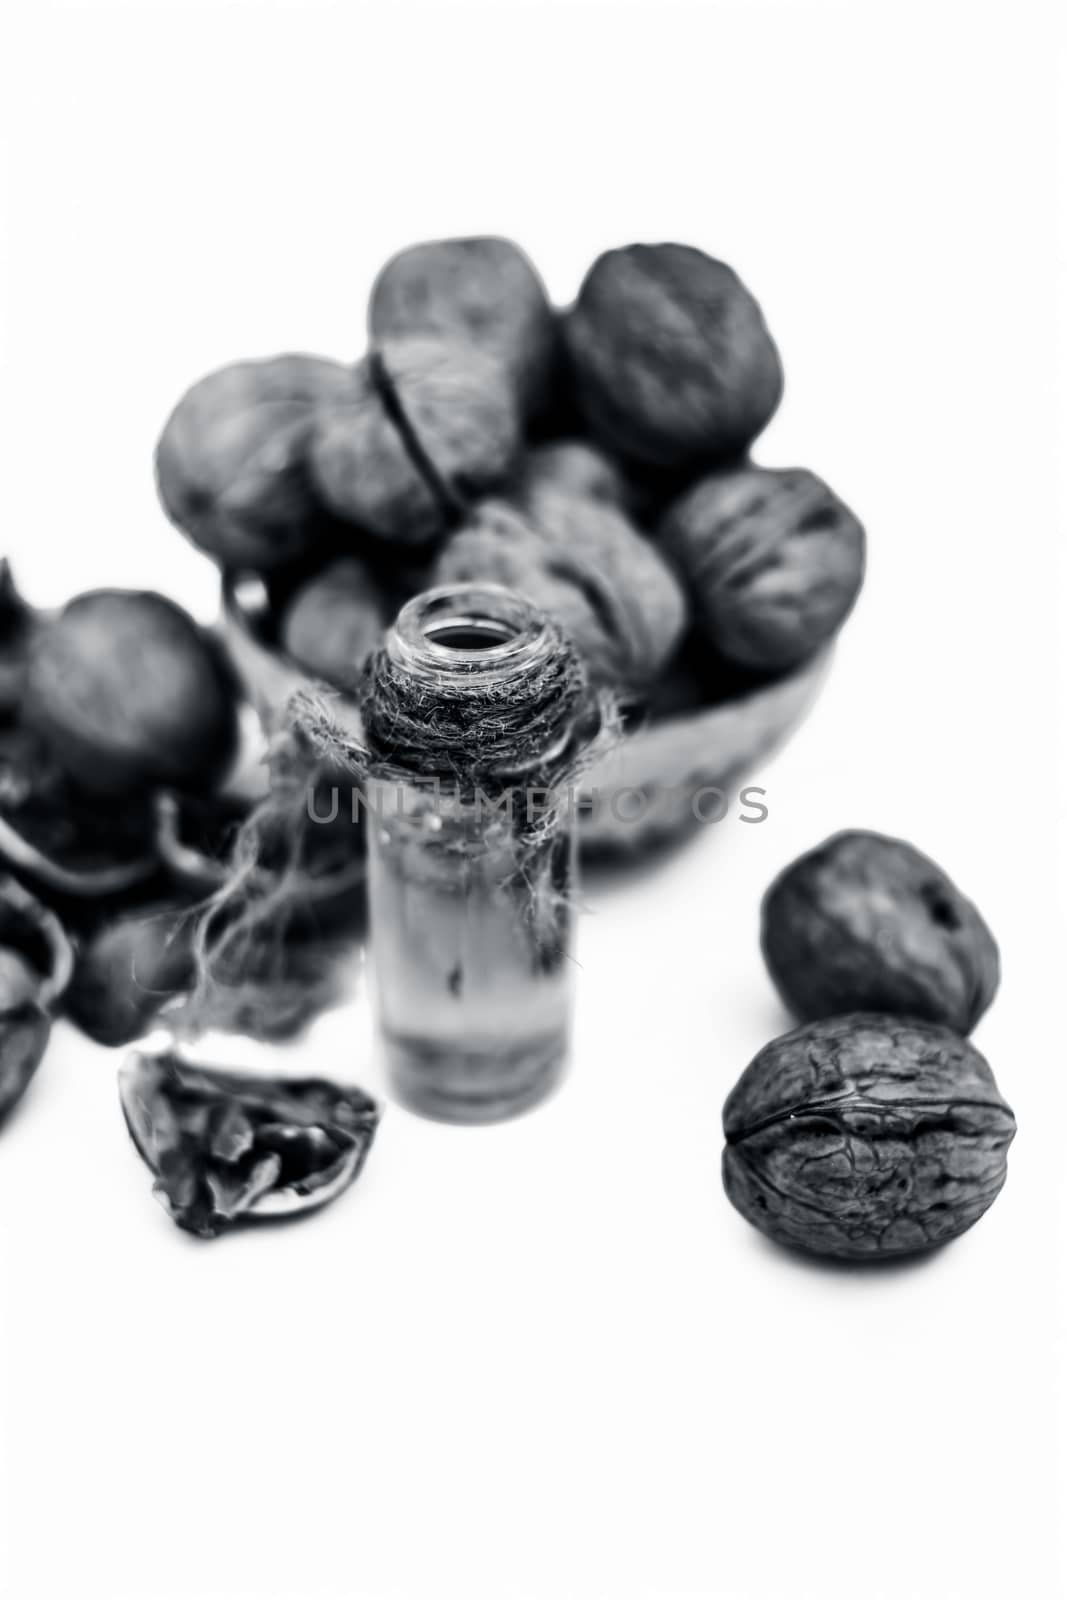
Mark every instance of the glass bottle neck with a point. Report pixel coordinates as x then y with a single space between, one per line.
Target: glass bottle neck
469 633
484 644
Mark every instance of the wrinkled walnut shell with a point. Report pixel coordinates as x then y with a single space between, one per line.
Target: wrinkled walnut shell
671 358
578 468
865 1137
482 292
422 428
584 564
773 562
868 923
231 463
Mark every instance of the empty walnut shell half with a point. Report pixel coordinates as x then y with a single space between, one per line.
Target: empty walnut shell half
865 1137
225 1146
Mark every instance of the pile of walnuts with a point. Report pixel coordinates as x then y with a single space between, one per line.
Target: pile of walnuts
594 460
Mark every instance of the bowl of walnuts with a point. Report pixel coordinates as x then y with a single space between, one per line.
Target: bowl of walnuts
595 460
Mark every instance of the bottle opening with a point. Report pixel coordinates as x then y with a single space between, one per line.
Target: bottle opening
469 629
469 633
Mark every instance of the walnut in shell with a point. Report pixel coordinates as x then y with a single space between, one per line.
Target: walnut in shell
865 1137
868 923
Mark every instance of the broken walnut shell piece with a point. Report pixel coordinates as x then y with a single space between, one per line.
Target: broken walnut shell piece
35 933
224 1146
35 968
88 883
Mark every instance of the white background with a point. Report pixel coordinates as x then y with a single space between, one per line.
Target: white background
547 1359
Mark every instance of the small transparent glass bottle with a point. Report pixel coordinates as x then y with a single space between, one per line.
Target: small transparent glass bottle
471 867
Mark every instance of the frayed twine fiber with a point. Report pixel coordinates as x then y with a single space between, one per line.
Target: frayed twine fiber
256 968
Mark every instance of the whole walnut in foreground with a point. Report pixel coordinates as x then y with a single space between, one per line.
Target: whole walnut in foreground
868 923
128 693
772 559
671 358
334 620
584 565
865 1137
422 428
483 292
231 463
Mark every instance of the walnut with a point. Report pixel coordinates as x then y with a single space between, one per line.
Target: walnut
127 971
231 464
671 358
480 292
574 465
129 693
334 620
772 559
584 564
867 923
865 1137
423 427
